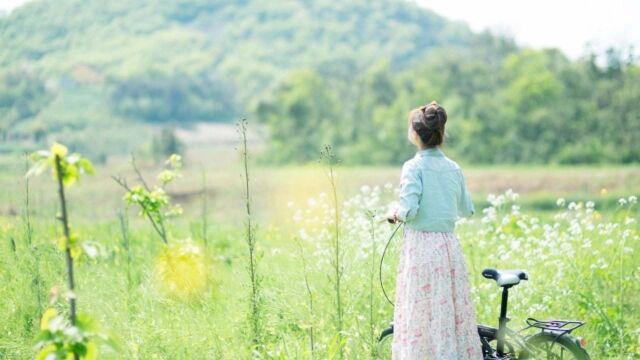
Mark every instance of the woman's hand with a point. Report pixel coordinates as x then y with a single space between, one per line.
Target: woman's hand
392 217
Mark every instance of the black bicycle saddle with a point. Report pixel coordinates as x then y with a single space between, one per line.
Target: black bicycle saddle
505 277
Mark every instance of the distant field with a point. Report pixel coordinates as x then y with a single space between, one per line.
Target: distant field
274 187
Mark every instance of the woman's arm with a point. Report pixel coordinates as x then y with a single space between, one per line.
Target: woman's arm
410 192
465 205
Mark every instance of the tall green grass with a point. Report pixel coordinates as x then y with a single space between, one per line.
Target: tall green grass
582 263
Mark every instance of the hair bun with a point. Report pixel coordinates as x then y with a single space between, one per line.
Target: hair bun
441 115
428 121
434 115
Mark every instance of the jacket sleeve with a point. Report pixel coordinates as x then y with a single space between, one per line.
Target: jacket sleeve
465 205
410 192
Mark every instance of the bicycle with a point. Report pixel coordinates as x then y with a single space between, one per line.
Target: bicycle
554 341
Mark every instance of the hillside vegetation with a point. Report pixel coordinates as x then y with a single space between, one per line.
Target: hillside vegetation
101 74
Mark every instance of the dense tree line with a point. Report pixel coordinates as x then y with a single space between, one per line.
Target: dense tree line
508 106
176 98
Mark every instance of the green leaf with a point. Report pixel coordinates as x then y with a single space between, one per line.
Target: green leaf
86 166
62 243
59 150
80 348
46 318
92 351
86 323
76 251
44 353
38 168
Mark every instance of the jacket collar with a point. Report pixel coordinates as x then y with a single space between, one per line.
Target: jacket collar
434 151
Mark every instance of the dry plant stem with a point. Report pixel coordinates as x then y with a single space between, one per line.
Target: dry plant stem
12 241
205 210
372 232
251 241
621 286
140 177
124 230
27 204
65 225
29 233
330 159
309 294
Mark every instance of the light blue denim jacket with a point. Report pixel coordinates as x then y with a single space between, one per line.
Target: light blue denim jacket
433 193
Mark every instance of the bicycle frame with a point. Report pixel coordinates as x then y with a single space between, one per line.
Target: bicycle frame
557 327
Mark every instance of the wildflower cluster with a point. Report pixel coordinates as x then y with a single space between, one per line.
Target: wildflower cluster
363 236
578 261
575 259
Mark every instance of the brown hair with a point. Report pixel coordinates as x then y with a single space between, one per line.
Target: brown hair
428 122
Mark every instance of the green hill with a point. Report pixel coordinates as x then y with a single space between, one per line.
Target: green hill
97 73
229 52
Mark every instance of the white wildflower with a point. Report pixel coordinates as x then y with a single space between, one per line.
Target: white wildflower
511 195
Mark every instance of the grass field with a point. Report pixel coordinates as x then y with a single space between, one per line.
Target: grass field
582 257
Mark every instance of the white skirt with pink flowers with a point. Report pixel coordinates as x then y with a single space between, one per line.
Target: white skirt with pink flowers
434 316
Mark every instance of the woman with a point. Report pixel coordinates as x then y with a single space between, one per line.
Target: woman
434 314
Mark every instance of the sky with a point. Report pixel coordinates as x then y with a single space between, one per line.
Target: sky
8 5
565 24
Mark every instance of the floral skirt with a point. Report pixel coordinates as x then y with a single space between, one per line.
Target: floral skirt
434 315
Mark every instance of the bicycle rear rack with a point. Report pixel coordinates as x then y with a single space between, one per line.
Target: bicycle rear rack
559 327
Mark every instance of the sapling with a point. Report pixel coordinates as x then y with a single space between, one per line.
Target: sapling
154 203
76 336
181 267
